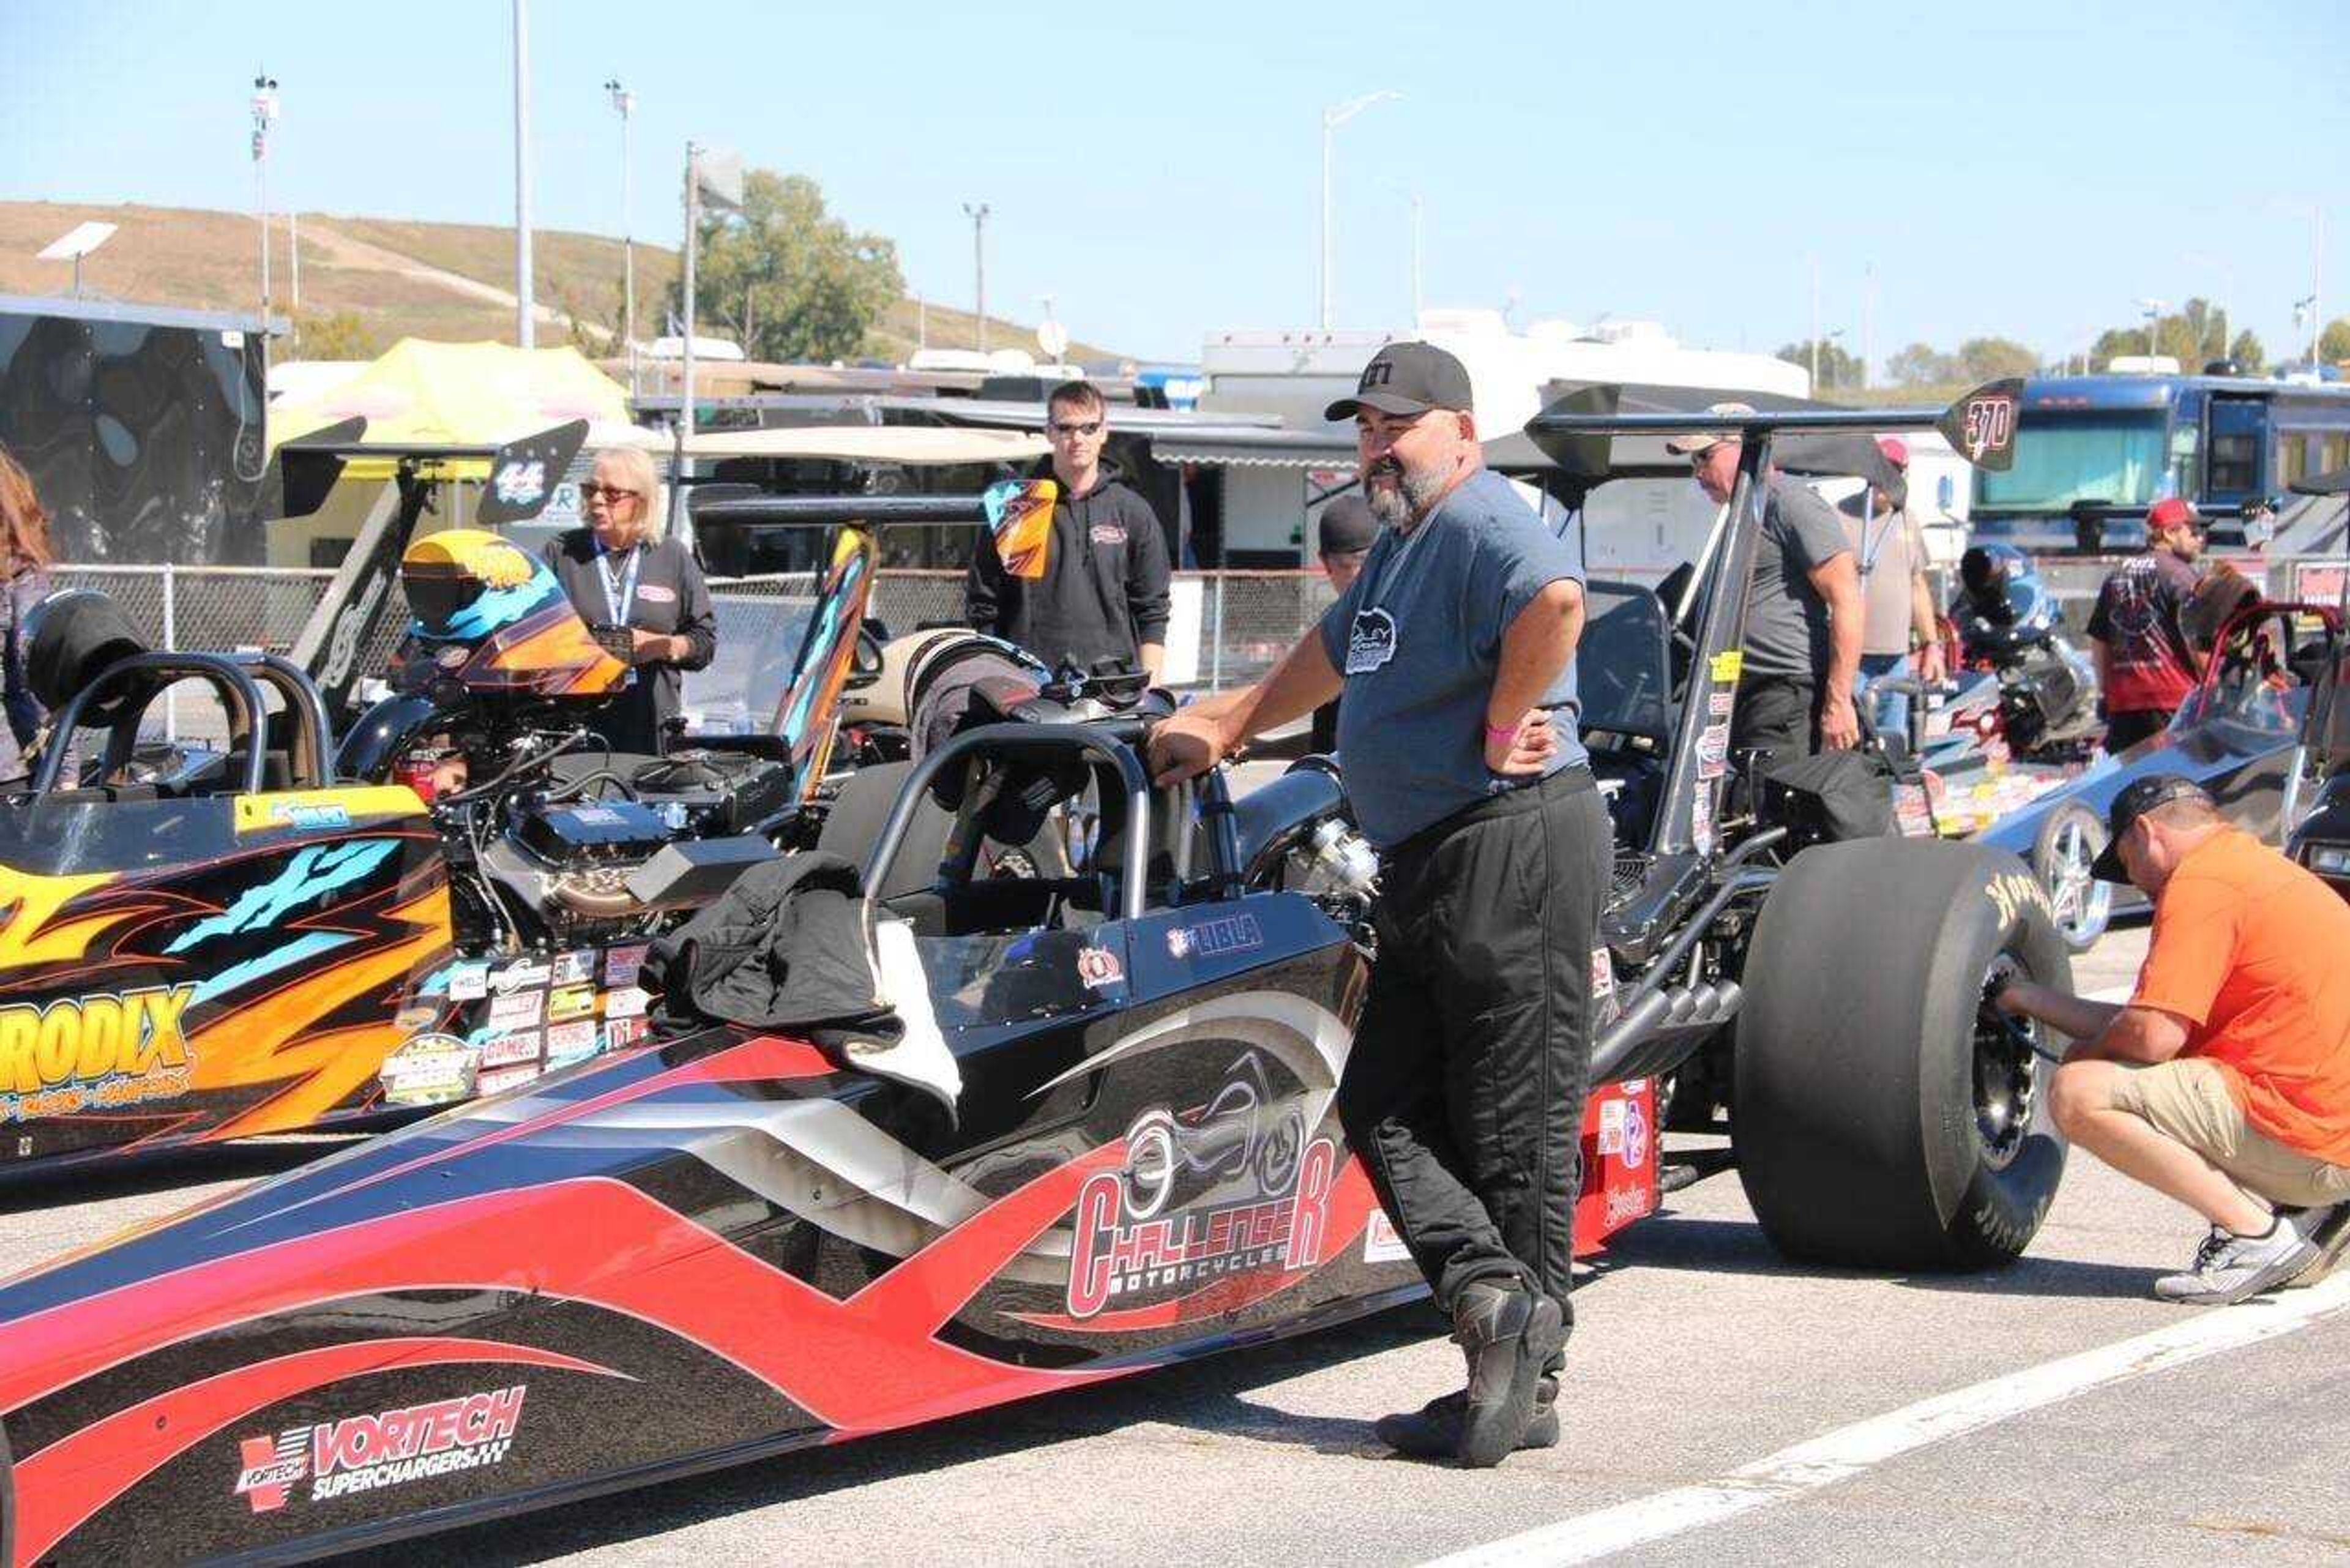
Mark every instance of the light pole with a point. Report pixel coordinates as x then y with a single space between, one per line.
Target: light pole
624 103
526 328
1332 118
1415 261
2153 309
977 213
265 115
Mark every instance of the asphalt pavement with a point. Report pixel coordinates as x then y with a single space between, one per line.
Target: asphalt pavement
1721 1405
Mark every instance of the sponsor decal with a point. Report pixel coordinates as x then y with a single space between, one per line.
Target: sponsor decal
1603 974
520 1011
1214 938
311 816
2010 892
1106 533
1626 1204
1635 1135
1116 1258
1099 967
1370 641
628 1002
1721 701
506 1050
1702 822
1713 751
498 1080
468 982
597 815
525 974
621 1032
574 1002
620 964
1611 1127
1382 1243
455 654
430 1070
1727 666
520 483
368 1453
571 968
423 1015
93 1053
570 1042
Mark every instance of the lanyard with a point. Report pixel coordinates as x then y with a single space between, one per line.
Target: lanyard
1870 548
619 596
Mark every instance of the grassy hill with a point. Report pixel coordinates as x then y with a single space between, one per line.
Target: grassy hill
395 279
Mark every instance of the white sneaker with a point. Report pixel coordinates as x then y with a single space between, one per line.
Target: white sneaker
2228 1268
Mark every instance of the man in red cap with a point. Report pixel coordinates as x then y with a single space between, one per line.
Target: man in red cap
2146 664
1898 627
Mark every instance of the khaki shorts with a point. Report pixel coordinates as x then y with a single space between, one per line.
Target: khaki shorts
2188 1099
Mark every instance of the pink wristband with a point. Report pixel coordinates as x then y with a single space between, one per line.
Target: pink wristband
1502 732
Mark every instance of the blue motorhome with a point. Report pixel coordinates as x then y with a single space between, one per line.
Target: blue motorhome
2092 452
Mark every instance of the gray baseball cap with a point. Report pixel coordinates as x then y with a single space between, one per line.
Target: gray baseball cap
1407 379
1704 440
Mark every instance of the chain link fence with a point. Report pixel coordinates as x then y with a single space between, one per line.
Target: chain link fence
1228 627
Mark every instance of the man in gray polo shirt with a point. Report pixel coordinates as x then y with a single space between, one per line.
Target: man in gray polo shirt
1463 1094
1803 612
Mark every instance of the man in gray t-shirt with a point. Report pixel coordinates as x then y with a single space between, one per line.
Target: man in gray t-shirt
1803 614
1462 1093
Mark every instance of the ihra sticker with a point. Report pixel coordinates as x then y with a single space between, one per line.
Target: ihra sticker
93 1052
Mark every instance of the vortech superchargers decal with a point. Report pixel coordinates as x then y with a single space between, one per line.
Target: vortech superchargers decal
174 970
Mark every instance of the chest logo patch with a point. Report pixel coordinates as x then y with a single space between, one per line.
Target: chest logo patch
1108 533
654 594
1370 641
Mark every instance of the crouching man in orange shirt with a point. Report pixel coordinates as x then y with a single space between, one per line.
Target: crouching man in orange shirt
2224 1081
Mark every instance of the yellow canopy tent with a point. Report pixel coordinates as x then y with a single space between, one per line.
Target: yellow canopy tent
465 394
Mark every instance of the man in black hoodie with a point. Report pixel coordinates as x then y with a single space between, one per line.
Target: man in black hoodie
1104 592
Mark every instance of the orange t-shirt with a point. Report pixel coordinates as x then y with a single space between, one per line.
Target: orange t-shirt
2254 953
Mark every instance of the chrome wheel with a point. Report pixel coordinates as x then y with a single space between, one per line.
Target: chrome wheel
2082 905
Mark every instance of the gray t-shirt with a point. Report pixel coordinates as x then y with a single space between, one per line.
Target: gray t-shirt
1786 619
1890 550
1418 638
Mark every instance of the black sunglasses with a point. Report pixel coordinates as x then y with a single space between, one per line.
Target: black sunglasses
1066 428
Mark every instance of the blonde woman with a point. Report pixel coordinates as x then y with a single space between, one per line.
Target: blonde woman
620 573
25 561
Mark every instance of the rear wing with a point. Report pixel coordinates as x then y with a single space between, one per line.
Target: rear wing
1578 431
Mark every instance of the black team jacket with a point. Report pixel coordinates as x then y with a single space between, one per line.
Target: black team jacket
1104 591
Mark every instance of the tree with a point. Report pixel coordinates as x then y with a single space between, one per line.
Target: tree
1837 369
2194 335
1920 366
338 336
2248 354
2334 343
1983 359
785 279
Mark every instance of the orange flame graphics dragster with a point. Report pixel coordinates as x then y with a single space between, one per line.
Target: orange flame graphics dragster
251 983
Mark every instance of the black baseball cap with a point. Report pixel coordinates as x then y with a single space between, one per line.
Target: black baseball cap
1347 527
2142 796
1406 379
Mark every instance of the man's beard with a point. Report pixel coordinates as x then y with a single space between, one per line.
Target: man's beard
1398 495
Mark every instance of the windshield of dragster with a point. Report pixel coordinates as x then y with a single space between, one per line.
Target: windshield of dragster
1623 670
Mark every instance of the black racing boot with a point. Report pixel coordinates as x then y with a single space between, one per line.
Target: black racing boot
1510 1334
1433 1431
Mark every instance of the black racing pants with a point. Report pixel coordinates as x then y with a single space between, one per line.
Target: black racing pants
1464 1091
1778 715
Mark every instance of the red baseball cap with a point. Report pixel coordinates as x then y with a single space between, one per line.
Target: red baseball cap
1896 451
2169 512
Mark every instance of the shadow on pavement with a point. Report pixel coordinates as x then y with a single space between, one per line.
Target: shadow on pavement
139 1175
1735 1247
1205 1396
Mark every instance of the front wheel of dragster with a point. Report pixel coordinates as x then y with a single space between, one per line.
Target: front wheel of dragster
1884 1118
2070 841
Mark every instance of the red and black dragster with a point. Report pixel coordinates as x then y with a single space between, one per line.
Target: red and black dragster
1105 1142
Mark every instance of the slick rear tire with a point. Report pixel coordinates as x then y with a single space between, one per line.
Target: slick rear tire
7 1503
2081 906
1884 1119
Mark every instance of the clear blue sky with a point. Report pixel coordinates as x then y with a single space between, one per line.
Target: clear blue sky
2026 169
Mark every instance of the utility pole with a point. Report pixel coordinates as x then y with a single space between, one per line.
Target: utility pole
526 328
2316 283
978 216
264 114
1332 118
1867 317
1815 327
624 102
2154 309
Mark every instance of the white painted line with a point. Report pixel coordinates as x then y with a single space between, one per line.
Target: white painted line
1841 1454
